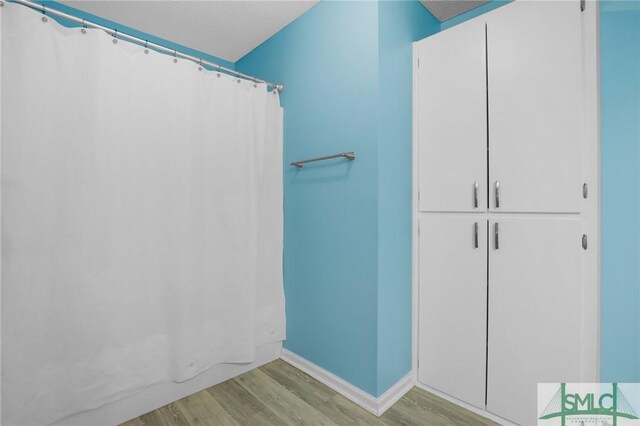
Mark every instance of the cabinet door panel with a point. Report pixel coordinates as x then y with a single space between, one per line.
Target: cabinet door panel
535 87
452 129
535 279
452 306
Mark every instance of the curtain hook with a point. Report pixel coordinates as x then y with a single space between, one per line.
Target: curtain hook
219 69
44 12
200 65
115 36
146 45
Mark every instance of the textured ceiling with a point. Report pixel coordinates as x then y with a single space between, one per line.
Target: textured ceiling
226 29
447 9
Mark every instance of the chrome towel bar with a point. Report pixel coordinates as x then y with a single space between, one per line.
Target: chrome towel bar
348 155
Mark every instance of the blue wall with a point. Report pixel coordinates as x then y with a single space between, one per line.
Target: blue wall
620 169
122 28
328 62
348 226
400 23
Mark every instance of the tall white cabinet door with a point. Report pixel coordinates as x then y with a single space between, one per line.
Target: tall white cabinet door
535 87
535 278
452 121
452 305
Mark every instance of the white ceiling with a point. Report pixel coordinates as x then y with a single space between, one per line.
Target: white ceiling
225 29
447 9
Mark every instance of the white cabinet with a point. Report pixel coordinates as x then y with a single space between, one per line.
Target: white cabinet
535 88
535 306
528 271
453 286
509 97
453 121
521 84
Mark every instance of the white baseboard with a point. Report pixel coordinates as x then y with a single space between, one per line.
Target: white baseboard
157 396
466 406
395 392
376 406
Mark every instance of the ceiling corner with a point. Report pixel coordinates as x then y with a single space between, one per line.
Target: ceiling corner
447 9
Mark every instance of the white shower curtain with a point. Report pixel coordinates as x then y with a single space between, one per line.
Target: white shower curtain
141 219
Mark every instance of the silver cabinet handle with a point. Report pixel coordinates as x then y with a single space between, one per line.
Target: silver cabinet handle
584 241
475 235
496 235
475 195
497 194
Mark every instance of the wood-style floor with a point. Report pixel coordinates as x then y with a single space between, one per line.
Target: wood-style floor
279 394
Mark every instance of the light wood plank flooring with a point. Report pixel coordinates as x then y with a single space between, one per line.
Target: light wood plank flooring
279 394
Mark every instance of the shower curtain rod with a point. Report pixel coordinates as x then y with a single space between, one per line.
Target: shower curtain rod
147 44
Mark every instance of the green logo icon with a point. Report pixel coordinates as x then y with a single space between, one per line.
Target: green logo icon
613 404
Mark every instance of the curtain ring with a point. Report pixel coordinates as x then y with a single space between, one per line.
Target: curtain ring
83 24
115 36
44 9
